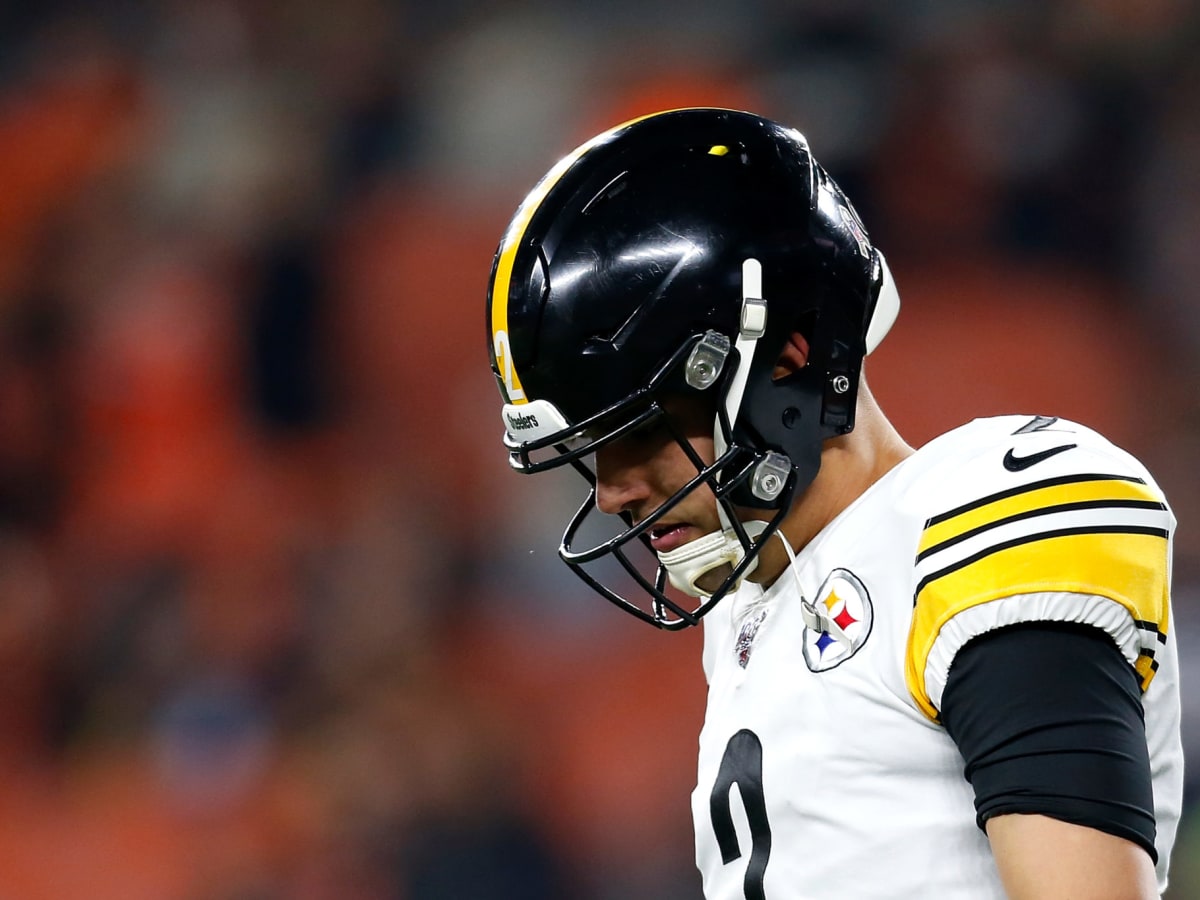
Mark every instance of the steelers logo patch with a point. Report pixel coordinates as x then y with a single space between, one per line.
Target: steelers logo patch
838 622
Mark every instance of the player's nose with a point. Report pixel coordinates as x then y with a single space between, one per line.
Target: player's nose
620 485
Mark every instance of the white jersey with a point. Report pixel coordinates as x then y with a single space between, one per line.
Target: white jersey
824 771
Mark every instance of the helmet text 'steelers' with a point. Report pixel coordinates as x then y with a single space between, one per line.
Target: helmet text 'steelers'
520 422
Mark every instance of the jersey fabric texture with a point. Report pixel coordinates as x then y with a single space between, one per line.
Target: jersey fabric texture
824 770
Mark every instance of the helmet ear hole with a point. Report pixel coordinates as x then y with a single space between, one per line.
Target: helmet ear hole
792 358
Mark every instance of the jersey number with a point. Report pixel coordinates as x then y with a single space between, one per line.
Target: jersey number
742 765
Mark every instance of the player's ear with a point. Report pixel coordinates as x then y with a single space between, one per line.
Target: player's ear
793 358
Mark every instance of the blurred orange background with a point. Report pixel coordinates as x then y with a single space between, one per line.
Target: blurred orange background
276 620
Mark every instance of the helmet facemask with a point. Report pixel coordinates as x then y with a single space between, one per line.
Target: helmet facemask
706 366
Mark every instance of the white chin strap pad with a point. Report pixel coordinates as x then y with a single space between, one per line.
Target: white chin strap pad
688 564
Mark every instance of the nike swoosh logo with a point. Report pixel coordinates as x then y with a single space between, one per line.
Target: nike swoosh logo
1020 463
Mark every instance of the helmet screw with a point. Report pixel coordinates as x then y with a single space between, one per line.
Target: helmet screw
770 476
706 360
841 384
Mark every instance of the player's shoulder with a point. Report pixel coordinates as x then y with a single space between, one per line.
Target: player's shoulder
991 458
1035 519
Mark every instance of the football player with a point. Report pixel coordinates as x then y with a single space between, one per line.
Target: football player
946 672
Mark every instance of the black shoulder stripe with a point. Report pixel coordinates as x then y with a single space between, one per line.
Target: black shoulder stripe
1152 627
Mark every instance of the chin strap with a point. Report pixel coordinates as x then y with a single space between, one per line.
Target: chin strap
688 564
815 616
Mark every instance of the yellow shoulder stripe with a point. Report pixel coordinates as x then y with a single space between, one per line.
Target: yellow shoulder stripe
1032 498
1088 535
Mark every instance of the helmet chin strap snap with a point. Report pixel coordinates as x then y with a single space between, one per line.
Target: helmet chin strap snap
688 564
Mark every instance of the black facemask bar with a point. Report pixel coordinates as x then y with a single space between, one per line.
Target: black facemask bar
726 476
663 611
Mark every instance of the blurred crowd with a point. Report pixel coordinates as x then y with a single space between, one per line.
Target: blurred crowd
276 620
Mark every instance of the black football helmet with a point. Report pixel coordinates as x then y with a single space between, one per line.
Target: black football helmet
677 254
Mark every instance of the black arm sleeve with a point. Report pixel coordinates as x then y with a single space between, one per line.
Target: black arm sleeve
1049 720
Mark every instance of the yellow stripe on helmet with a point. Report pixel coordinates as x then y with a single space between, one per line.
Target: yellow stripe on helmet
509 244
